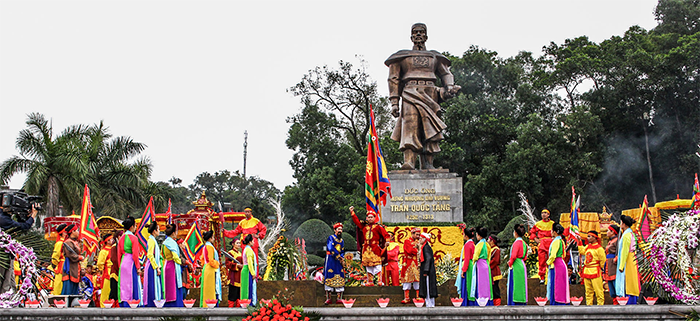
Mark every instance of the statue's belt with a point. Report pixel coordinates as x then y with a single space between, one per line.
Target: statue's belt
421 82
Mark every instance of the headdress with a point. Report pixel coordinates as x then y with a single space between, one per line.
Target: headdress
425 236
70 228
415 229
371 212
546 211
337 225
614 228
247 209
594 234
61 227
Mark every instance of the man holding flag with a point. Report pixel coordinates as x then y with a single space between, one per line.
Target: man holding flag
371 236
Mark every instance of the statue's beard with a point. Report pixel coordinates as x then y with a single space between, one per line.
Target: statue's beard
419 45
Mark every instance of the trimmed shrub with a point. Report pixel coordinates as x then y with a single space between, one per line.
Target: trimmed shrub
350 242
315 232
315 260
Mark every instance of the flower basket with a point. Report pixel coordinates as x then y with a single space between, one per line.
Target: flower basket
159 303
188 303
622 300
576 301
134 303
383 302
482 301
419 302
457 301
348 303
84 303
60 303
541 301
32 304
244 303
108 304
650 300
211 303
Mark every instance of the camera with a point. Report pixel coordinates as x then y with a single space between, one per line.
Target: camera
19 203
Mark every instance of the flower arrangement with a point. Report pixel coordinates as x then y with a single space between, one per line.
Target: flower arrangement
27 262
278 308
281 259
670 244
355 273
445 269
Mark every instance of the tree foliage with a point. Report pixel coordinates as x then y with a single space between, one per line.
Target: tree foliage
329 137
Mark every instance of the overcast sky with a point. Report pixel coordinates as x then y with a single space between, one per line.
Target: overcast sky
187 78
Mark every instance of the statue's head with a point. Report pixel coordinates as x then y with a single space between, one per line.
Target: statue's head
419 33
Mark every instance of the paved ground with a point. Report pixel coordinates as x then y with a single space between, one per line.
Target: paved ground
639 312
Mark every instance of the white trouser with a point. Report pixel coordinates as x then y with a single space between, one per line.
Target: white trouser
374 269
429 301
407 286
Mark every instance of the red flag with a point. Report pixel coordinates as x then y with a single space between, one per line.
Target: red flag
149 216
377 184
170 212
89 232
696 193
644 225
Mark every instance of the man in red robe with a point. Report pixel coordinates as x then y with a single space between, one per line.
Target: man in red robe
542 234
391 265
249 225
410 276
371 239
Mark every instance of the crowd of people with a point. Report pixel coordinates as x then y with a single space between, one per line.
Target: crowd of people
479 273
123 273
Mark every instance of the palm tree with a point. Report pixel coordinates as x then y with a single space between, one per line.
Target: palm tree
118 186
53 165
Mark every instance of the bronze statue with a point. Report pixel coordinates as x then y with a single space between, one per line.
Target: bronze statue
412 76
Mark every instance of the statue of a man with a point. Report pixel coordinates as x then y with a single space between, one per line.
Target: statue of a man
412 76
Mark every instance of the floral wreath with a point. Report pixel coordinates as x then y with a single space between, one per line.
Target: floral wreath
27 262
669 247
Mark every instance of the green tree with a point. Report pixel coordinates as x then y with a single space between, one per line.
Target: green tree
224 186
117 187
329 138
53 164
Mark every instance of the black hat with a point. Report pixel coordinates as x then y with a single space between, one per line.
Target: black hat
61 227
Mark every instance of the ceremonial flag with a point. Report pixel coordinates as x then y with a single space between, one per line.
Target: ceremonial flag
169 212
149 216
644 223
573 227
696 194
193 243
89 231
377 184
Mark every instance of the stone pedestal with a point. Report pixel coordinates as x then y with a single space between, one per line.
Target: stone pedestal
424 196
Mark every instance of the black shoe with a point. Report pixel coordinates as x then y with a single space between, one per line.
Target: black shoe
541 281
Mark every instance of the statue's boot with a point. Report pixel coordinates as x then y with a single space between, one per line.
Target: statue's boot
409 159
426 161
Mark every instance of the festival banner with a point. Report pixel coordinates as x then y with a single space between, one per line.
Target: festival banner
89 232
644 222
149 216
696 194
574 226
170 212
194 243
377 184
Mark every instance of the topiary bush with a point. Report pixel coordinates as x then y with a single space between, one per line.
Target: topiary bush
315 260
350 242
315 232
